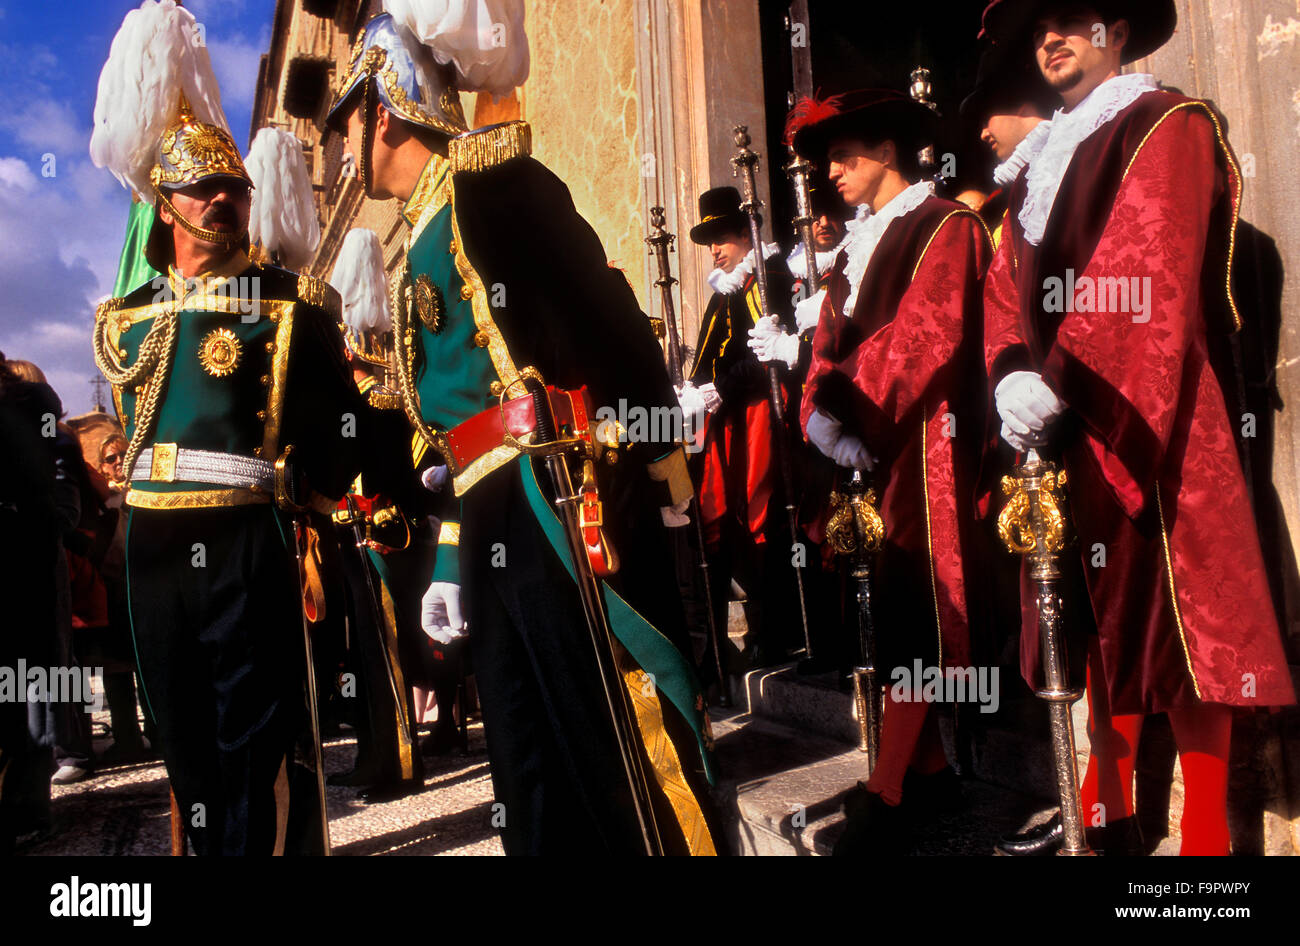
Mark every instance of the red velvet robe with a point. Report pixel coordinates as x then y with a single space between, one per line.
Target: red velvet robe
903 374
1182 604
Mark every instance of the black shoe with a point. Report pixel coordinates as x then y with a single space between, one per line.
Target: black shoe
938 793
1120 838
873 827
1039 841
389 791
119 754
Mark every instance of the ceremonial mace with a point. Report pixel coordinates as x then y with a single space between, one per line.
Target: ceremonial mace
799 170
661 242
745 163
1033 524
856 531
920 91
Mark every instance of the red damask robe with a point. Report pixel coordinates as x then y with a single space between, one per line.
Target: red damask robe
1182 603
902 372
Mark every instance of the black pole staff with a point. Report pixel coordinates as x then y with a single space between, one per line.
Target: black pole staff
745 163
661 242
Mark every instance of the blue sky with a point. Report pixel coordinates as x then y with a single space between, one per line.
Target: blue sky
62 234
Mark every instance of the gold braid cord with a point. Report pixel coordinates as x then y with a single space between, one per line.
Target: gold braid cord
150 370
404 343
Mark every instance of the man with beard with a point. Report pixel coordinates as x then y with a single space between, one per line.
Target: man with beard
1134 187
1011 105
230 382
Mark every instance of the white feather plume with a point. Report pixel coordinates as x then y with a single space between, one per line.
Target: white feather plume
359 277
157 53
283 215
484 38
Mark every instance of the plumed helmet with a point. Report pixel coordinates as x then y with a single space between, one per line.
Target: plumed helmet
191 151
406 79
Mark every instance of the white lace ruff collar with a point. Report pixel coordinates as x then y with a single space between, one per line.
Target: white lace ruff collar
825 258
1068 131
734 281
864 233
1005 174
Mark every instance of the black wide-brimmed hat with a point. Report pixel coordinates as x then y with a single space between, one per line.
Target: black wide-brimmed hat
720 213
1151 22
872 115
1006 81
827 201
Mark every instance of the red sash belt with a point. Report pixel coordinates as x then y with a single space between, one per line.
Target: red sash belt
572 409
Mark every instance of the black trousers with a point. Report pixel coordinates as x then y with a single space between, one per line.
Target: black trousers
556 770
218 633
382 759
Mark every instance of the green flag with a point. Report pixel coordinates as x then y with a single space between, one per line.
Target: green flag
133 270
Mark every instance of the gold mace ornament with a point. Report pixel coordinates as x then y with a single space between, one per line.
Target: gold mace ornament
220 351
856 531
1033 524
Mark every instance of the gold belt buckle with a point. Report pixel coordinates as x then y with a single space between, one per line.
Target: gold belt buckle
162 469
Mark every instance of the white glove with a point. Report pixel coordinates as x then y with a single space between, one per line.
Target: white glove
824 432
690 400
1018 443
852 453
440 612
1027 406
435 478
809 312
675 515
769 343
712 399
691 403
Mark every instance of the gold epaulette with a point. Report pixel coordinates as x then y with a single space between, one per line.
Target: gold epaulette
321 294
384 399
109 305
485 148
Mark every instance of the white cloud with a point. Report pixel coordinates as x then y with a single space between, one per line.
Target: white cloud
236 61
205 10
15 173
63 238
48 126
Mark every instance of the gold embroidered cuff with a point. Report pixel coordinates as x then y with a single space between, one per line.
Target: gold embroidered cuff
449 534
487 147
671 470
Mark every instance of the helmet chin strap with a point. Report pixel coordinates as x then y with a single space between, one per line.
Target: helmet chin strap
363 160
207 236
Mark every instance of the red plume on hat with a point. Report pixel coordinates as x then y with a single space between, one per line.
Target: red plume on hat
808 111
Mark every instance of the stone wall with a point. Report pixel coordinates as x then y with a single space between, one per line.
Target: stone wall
1245 56
581 100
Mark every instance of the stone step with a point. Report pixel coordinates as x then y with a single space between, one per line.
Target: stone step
782 790
1010 749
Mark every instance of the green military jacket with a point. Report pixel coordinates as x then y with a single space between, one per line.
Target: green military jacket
257 366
